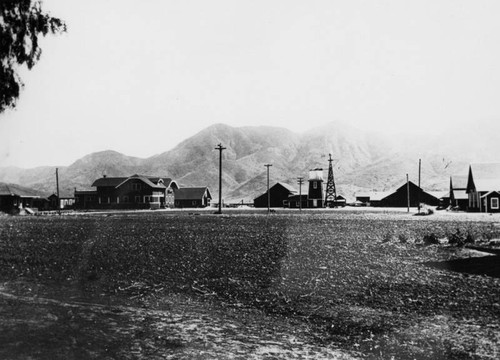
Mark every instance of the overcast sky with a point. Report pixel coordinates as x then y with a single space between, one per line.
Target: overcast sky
139 77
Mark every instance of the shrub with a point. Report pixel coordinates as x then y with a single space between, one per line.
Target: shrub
430 239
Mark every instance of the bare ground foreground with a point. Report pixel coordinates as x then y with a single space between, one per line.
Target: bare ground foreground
319 285
34 325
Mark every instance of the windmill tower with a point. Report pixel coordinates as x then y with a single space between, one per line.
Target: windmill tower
315 194
331 192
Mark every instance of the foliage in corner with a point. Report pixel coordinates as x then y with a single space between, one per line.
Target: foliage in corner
21 24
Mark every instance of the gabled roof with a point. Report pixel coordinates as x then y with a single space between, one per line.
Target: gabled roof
109 181
489 193
118 181
191 193
144 179
17 190
290 188
484 177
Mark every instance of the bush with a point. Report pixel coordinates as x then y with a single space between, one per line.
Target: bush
430 239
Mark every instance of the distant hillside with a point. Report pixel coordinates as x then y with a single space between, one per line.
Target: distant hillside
363 161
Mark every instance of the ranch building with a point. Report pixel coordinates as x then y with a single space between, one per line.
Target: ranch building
399 198
279 194
133 192
19 199
483 186
192 197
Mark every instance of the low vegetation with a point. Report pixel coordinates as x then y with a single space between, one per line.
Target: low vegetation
377 286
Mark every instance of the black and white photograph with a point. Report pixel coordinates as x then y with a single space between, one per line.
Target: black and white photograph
235 179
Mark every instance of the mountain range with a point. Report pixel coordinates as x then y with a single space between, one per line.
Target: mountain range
363 160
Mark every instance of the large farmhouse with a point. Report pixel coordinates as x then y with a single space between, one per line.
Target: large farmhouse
483 187
136 191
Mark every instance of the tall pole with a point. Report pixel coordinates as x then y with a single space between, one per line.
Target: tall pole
408 191
268 193
301 181
57 187
419 189
220 148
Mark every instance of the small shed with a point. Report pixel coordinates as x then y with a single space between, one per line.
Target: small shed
192 197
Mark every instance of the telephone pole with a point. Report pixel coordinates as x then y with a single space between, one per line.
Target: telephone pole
419 189
408 192
57 187
220 148
268 193
300 180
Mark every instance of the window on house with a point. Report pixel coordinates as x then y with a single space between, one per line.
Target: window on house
494 203
315 185
136 186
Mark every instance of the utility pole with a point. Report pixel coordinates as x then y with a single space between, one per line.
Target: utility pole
408 192
419 189
220 148
57 187
300 181
268 193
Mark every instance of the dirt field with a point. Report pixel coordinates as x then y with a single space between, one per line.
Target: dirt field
192 285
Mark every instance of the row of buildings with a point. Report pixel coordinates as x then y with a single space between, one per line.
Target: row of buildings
133 192
478 191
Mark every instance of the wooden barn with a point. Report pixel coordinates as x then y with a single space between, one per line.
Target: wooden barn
399 198
279 194
483 185
192 197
